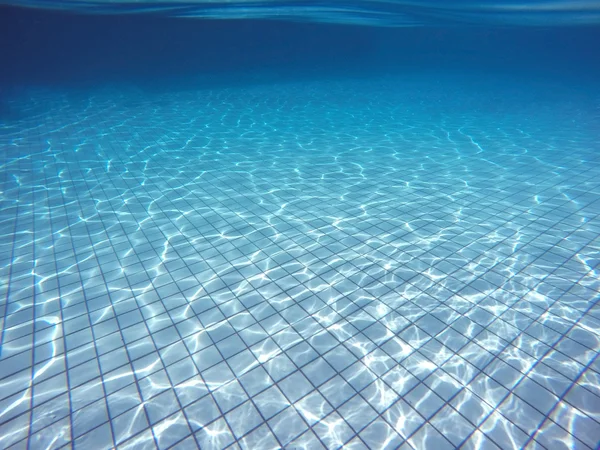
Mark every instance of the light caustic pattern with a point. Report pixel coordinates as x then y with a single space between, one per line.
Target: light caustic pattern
378 263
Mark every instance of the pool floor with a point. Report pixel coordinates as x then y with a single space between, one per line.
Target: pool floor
400 262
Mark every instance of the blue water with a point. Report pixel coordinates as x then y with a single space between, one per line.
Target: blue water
320 225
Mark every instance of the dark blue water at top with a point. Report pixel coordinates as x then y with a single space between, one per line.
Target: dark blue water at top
81 42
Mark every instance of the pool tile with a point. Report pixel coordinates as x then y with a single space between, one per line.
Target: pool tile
434 290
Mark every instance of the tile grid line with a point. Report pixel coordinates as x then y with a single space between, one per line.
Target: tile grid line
481 371
561 398
284 351
539 360
181 409
211 394
9 276
139 392
136 383
29 389
28 439
32 383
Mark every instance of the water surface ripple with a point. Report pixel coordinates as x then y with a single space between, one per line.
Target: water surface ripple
390 13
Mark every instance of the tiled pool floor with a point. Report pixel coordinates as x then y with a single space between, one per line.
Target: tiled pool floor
369 264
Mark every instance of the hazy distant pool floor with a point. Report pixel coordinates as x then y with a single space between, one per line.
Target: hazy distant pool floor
377 264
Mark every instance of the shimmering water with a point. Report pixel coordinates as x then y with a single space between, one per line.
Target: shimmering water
401 258
394 13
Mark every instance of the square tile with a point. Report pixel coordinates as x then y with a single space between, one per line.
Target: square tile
182 370
270 402
129 424
287 426
279 367
339 358
230 396
357 413
380 435
307 440
358 376
318 372
427 435
379 395
202 412
171 430
191 298
191 390
313 407
404 419
452 425
215 435
301 354
255 381
217 376
503 432
161 406
261 437
243 419
333 431
337 391
295 386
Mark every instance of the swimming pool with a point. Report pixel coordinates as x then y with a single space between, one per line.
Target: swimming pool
396 261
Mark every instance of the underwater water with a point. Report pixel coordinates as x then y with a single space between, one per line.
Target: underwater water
320 225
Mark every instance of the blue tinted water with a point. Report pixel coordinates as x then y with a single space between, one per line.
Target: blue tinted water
355 225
